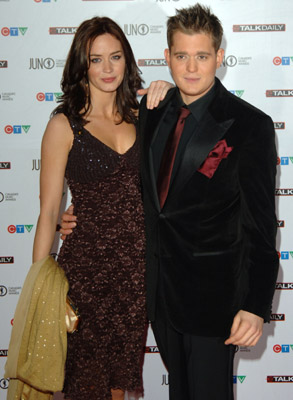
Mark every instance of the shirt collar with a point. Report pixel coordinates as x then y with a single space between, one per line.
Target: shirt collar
198 107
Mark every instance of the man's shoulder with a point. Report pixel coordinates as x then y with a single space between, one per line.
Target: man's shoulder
236 107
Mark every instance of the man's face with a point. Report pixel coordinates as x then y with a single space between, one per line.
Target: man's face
193 62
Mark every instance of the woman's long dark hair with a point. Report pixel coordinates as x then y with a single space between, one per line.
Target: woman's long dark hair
75 101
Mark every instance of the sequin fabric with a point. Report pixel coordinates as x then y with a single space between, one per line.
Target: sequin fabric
104 261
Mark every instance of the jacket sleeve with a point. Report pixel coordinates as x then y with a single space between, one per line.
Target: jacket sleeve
257 172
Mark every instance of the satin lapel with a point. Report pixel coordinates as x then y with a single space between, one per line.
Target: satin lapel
197 150
149 138
151 160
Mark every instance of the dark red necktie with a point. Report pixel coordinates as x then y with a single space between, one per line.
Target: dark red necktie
168 157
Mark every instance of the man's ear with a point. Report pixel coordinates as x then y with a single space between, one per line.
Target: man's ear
220 56
167 56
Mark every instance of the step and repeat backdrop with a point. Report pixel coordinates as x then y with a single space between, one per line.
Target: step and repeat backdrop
35 36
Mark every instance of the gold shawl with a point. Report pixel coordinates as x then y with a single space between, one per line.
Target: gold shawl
38 343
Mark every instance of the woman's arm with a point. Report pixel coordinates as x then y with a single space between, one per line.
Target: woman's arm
56 144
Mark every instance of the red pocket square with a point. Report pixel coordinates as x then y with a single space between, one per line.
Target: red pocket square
211 163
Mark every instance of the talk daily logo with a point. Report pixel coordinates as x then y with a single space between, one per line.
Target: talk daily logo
152 62
280 379
238 93
5 165
283 192
151 349
48 96
19 228
279 125
62 30
277 317
45 1
13 31
283 61
16 129
279 93
260 28
3 64
283 348
6 260
284 286
238 378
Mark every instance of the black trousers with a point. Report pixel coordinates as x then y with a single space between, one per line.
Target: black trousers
200 368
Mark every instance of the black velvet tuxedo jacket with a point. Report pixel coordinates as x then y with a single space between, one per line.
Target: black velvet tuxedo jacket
211 248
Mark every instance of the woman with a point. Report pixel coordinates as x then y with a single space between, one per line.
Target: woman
91 139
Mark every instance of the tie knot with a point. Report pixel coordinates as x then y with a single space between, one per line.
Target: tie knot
184 112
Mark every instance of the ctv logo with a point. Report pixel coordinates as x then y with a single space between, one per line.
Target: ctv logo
284 255
49 96
19 228
239 378
283 60
237 93
17 129
13 31
284 160
283 348
280 379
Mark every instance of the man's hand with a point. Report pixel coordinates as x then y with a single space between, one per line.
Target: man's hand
246 329
155 92
67 222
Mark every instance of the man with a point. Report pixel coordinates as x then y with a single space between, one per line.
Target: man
211 258
210 219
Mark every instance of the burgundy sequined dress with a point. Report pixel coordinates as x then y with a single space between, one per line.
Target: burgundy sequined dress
104 260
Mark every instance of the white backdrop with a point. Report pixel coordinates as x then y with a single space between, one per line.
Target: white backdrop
35 36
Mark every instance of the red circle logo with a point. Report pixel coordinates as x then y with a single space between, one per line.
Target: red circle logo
11 229
40 96
277 348
5 31
8 129
12 321
277 61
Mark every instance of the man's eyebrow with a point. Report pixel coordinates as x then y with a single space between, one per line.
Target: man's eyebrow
198 53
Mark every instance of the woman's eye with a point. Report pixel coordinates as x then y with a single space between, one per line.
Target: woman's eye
116 57
95 60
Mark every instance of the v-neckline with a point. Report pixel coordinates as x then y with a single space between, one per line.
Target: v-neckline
109 147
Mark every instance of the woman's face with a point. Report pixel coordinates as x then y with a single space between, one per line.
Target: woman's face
106 64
